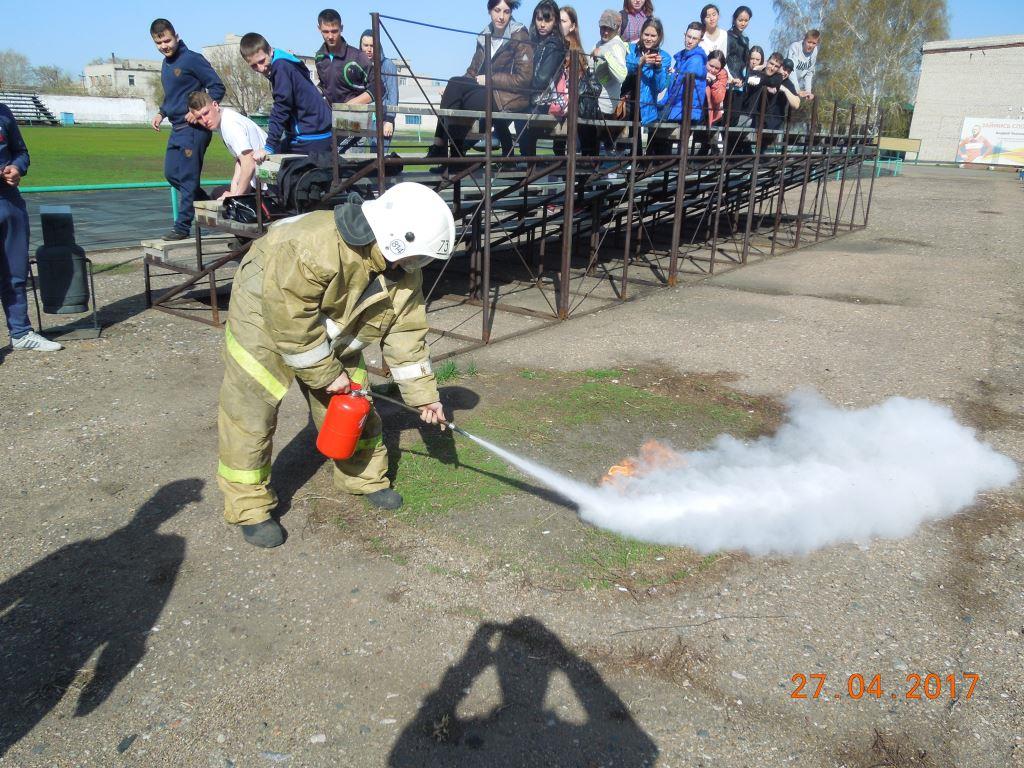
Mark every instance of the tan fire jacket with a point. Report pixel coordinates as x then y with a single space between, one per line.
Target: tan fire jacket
324 301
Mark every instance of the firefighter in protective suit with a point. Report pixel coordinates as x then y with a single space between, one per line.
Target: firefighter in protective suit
309 296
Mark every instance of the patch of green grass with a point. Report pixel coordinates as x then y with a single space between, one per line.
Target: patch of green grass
471 369
590 583
441 473
108 155
446 371
436 476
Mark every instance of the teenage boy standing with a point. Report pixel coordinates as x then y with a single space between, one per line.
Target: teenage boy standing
805 58
183 72
343 69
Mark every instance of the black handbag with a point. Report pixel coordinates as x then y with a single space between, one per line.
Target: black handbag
590 91
242 208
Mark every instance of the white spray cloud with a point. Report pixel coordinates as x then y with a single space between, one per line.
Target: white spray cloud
827 476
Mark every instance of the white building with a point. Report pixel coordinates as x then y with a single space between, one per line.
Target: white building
418 90
960 79
122 77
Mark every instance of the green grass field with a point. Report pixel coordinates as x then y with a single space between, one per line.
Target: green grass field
102 155
108 155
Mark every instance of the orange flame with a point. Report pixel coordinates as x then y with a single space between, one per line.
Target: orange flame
653 456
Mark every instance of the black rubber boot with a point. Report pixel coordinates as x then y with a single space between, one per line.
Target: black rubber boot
385 498
267 534
436 152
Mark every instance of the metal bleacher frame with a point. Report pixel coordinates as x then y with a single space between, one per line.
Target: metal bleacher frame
776 196
668 216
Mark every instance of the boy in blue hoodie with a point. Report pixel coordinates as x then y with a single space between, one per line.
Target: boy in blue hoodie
183 72
300 121
692 60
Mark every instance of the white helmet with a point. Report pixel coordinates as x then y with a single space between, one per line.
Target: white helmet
411 220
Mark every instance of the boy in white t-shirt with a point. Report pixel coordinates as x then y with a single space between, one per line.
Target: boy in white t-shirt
241 136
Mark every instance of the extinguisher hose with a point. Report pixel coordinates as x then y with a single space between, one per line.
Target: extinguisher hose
377 396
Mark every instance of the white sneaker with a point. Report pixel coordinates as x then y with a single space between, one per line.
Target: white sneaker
33 340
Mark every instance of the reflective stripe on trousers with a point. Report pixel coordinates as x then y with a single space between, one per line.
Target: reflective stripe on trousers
253 367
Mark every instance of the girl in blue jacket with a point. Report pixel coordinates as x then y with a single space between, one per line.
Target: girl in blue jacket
652 61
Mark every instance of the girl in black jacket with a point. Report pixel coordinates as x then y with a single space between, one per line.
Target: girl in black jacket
739 46
548 56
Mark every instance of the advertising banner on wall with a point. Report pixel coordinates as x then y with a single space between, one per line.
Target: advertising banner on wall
991 141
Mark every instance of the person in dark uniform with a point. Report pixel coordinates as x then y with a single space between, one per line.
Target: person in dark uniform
14 161
183 72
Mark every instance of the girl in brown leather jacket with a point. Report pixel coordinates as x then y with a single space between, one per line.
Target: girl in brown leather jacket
511 68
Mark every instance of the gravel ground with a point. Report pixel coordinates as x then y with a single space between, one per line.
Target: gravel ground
136 629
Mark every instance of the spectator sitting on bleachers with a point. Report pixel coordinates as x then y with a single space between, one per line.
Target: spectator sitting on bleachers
511 72
755 64
241 136
738 53
717 85
779 96
715 38
389 81
785 98
609 63
300 120
548 55
805 59
569 21
632 18
647 57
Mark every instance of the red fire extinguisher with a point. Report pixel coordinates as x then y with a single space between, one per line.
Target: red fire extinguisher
343 425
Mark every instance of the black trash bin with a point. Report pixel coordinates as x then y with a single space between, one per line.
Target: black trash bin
64 282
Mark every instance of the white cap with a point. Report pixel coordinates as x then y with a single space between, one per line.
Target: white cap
411 220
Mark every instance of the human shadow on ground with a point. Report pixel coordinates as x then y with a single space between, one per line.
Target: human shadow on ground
295 465
440 445
98 594
518 731
444 447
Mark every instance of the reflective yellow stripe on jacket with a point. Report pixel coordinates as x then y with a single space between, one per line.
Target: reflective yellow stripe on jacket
253 367
358 375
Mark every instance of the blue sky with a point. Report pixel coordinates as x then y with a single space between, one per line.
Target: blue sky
69 34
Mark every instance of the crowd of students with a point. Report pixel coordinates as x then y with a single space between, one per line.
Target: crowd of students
530 68
530 71
300 119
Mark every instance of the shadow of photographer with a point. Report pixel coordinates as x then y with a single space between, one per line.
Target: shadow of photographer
94 595
519 731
